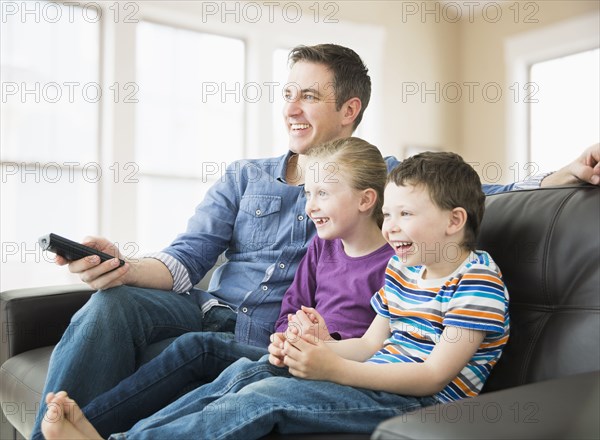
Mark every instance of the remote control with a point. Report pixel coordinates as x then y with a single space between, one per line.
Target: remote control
71 250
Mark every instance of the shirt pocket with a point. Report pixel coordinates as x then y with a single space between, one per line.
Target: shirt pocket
257 223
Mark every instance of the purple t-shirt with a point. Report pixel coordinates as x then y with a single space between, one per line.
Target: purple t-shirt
338 286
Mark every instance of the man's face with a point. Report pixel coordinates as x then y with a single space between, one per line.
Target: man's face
310 113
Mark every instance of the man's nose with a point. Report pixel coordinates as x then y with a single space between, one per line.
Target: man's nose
291 107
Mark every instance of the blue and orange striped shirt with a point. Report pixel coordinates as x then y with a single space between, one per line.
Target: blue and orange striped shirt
474 297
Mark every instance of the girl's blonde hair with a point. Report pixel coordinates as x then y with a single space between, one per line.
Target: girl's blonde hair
360 162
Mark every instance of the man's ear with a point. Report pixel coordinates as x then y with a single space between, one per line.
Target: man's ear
367 200
457 218
350 110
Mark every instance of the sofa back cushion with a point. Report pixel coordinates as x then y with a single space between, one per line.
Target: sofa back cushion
547 244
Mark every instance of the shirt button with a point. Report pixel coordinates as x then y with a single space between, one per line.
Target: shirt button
265 288
258 212
300 217
245 309
281 266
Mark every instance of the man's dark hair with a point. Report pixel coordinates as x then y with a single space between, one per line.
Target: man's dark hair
350 75
450 182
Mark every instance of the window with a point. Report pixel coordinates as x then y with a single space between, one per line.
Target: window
280 77
549 90
565 110
50 106
189 123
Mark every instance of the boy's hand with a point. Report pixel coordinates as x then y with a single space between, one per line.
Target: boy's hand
307 323
276 349
309 359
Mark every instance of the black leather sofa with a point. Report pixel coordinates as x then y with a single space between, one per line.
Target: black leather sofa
546 385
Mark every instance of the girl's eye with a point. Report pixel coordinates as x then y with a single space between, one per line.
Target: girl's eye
405 214
322 193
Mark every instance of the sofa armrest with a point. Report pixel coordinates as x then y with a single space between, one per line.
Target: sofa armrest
565 408
37 317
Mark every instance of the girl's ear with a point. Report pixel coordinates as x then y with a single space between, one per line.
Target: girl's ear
367 199
456 220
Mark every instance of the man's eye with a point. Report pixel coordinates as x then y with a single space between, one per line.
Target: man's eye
308 97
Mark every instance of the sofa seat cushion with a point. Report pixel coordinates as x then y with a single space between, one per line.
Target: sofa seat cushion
22 378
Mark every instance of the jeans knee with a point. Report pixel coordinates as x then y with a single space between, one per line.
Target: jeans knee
203 341
105 305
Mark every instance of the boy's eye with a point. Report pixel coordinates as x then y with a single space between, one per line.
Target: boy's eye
405 213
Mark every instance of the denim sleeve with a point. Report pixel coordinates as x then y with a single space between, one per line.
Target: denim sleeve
496 189
210 229
533 182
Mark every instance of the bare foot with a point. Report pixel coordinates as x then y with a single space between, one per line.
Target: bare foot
65 420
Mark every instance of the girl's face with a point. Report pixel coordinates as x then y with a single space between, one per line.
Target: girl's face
331 202
417 229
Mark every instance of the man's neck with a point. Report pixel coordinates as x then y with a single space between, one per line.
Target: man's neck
294 173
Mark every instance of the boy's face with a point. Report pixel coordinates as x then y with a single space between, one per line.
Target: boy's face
309 112
417 229
331 203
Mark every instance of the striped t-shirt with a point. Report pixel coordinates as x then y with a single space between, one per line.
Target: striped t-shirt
473 297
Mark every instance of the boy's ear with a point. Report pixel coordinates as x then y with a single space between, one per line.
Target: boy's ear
456 220
351 109
367 200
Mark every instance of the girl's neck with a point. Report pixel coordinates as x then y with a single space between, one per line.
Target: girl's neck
364 240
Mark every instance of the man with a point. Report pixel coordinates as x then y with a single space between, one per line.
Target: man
255 215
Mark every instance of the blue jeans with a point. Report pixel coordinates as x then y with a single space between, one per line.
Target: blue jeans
108 337
249 399
191 360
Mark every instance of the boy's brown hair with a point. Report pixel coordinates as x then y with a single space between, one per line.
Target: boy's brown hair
350 75
450 182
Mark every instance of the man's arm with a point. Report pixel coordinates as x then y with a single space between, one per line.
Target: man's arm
145 272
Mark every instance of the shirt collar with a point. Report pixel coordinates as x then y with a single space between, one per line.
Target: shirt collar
282 167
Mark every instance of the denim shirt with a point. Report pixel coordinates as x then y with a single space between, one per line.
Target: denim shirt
253 216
